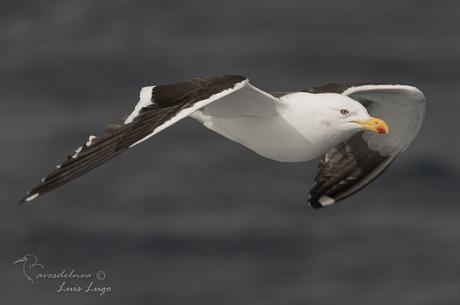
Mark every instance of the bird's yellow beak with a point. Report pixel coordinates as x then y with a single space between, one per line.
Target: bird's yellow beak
375 125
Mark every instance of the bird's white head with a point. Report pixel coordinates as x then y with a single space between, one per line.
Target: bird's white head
343 114
327 119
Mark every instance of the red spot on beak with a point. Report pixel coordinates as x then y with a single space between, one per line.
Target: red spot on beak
381 130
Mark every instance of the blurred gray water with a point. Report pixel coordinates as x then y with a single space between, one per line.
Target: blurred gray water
191 218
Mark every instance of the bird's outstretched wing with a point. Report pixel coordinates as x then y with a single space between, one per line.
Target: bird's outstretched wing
159 107
351 165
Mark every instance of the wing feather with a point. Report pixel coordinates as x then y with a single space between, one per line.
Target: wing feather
158 108
352 165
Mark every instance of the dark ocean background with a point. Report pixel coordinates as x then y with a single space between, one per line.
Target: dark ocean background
192 218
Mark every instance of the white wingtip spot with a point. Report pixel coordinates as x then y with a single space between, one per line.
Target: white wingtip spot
326 201
30 198
90 141
77 152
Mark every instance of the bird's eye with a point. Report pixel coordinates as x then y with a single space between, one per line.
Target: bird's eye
344 111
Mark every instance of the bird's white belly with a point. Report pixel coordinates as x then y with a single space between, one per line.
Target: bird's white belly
270 137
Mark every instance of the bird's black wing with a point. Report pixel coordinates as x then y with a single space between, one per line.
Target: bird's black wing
159 107
352 165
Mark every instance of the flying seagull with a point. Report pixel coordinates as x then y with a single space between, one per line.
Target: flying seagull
333 122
